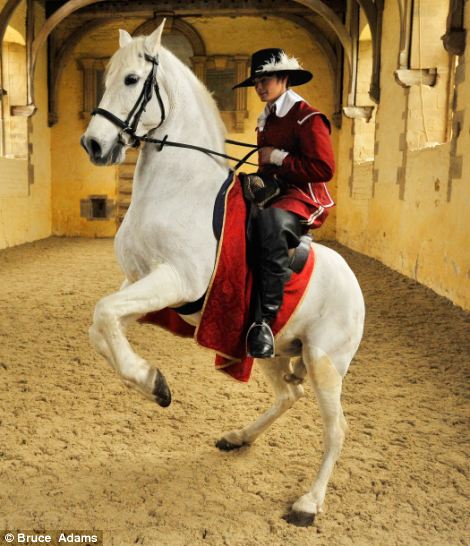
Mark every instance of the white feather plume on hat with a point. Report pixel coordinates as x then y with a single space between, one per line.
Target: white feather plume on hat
284 62
272 60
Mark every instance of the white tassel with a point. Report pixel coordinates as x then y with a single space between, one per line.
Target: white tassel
284 63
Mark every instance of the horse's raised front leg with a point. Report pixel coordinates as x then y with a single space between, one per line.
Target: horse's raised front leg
158 290
327 383
99 342
277 370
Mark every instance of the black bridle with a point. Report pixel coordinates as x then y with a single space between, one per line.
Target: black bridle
129 126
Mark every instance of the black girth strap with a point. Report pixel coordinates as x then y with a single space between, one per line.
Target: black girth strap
191 307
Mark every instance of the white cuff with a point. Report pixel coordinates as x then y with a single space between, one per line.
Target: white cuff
278 156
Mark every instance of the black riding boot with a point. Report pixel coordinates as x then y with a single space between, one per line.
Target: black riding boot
276 231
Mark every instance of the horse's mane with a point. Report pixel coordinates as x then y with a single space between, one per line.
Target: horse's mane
176 78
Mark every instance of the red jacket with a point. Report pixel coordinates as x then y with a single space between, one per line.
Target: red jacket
304 133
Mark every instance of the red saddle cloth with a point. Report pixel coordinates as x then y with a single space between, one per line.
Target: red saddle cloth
226 312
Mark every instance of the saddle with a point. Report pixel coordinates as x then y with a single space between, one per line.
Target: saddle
269 190
258 191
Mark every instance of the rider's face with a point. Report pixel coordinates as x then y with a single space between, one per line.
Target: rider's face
270 88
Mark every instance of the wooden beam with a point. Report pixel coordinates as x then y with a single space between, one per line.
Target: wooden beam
317 6
333 21
354 16
455 37
177 24
374 91
406 11
374 12
51 23
318 37
197 7
30 20
370 11
59 59
5 15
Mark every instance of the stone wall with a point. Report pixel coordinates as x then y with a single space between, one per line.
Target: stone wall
25 183
410 207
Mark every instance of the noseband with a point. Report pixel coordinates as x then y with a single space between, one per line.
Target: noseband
130 125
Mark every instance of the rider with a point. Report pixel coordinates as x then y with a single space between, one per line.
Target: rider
295 160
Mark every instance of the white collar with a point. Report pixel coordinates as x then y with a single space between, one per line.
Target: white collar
283 105
285 102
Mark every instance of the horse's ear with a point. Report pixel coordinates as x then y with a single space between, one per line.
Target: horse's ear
124 38
154 40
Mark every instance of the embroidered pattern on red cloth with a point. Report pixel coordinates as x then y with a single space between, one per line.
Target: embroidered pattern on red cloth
226 312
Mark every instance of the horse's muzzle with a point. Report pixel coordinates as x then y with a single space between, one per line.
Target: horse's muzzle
95 152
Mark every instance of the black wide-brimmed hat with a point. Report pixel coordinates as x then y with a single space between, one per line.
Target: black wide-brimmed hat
267 62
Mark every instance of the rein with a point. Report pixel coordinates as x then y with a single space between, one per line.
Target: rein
129 126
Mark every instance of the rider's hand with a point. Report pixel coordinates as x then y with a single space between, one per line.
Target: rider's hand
265 155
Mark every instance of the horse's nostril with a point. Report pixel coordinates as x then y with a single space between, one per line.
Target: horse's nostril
95 148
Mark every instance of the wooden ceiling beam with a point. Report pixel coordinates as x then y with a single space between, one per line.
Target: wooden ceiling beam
197 8
242 12
334 22
374 13
59 58
58 16
331 53
5 15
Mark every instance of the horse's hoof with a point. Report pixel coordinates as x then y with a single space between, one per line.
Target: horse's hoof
161 391
299 519
225 445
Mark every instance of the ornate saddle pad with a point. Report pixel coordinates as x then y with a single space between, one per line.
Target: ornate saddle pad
226 309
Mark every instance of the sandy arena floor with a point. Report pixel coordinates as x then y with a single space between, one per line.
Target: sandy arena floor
80 451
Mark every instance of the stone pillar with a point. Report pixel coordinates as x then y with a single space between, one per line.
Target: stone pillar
199 66
241 65
89 86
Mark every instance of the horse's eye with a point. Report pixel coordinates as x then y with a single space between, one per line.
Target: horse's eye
131 79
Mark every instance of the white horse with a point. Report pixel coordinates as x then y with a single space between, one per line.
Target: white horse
167 250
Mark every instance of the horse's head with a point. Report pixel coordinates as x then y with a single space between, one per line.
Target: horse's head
132 102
